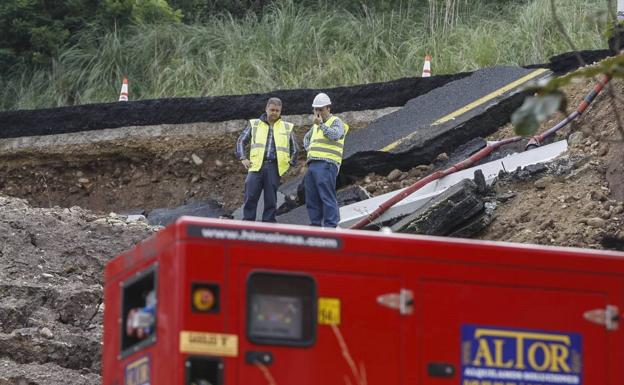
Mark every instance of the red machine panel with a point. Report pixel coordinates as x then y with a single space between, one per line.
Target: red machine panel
226 302
362 339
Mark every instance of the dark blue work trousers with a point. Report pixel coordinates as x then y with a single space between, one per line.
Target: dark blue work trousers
267 179
320 193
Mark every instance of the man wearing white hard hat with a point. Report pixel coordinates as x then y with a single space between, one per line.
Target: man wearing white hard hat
324 143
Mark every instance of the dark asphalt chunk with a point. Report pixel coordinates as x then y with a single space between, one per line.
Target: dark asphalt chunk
298 216
461 153
417 140
419 113
165 216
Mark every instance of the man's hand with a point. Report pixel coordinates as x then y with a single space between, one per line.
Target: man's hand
246 163
317 119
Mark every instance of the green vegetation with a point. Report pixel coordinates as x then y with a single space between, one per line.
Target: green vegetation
292 44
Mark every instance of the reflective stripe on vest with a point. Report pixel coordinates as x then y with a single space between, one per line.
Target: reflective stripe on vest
281 136
324 148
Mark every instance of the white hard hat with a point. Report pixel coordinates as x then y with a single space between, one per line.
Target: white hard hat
321 100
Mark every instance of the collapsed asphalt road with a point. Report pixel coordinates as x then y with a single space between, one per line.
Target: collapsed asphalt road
438 121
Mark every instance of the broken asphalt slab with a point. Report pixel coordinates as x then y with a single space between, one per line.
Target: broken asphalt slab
165 216
450 211
439 121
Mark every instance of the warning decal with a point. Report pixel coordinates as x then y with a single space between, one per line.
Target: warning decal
329 311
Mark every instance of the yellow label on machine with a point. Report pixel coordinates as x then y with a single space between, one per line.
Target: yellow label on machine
216 344
329 311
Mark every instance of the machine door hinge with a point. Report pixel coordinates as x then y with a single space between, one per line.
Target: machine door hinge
402 301
609 317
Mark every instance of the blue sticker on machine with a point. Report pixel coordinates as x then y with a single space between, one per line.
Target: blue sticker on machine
138 372
492 355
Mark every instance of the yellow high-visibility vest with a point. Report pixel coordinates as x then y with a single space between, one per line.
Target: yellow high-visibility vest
259 135
324 148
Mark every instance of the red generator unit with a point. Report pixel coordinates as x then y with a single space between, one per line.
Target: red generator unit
222 302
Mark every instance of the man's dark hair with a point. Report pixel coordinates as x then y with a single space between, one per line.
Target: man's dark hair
274 101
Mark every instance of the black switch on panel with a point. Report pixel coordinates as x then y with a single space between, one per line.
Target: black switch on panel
265 358
440 369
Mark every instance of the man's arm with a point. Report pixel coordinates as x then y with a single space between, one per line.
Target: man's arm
333 132
294 149
242 141
306 139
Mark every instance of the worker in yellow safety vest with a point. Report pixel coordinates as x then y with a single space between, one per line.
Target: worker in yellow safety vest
324 143
273 150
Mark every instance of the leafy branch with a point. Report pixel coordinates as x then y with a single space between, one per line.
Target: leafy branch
549 98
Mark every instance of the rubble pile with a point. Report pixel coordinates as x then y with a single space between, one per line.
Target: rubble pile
51 290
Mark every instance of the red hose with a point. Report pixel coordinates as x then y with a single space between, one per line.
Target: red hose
537 140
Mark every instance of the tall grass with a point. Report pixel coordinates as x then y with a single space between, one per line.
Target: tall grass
299 47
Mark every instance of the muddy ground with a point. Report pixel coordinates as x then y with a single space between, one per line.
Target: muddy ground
51 290
55 241
136 169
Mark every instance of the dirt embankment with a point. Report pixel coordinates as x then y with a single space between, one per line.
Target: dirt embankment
582 206
136 169
51 290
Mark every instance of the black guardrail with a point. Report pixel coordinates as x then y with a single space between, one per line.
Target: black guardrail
209 109
89 117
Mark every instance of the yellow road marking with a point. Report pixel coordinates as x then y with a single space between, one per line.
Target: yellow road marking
489 97
476 103
392 145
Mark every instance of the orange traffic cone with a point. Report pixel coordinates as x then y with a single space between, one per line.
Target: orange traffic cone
123 95
427 67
